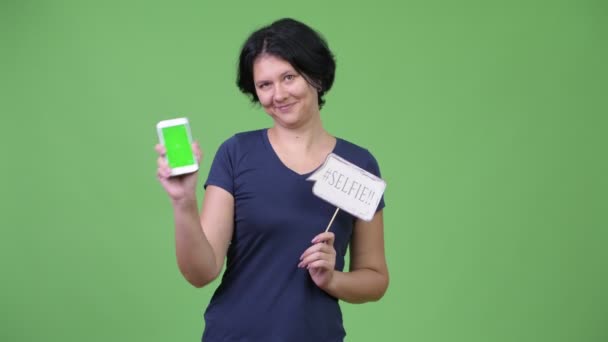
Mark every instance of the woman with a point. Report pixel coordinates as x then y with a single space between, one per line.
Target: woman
283 275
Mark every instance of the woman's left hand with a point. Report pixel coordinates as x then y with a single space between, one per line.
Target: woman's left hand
320 259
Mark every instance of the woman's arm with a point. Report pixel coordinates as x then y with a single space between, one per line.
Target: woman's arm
201 241
367 279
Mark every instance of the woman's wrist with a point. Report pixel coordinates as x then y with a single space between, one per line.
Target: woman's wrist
185 201
331 286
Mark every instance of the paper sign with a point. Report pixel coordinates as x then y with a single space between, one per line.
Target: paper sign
348 187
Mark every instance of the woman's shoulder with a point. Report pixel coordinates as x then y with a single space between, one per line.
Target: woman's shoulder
351 149
351 146
248 135
357 155
244 139
242 143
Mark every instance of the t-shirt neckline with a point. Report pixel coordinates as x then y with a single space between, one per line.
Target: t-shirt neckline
285 167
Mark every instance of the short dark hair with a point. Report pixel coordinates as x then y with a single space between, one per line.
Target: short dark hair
295 42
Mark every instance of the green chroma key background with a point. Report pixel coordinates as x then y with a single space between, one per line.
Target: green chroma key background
488 119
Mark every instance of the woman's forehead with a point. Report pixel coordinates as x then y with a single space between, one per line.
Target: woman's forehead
268 65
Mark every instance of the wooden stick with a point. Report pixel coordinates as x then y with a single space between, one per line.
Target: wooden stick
332 220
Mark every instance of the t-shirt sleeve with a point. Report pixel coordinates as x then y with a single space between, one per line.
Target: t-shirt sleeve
222 169
373 167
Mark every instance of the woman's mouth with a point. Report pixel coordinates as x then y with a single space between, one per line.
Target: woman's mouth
284 108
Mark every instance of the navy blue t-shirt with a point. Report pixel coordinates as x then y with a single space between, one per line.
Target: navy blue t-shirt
263 295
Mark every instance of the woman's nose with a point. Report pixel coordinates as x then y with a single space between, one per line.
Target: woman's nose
280 94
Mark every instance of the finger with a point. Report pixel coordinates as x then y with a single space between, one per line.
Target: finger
327 237
197 151
316 257
329 256
164 181
321 264
319 247
163 169
160 149
162 162
163 173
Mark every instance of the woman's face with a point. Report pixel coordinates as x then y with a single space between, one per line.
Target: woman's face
284 93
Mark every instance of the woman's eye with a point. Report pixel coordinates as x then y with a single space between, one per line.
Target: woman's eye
263 85
290 77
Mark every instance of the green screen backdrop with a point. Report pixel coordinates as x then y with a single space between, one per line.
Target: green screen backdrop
488 119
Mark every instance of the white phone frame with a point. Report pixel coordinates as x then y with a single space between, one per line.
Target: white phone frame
177 122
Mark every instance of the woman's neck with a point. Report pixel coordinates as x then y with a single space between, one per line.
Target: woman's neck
306 138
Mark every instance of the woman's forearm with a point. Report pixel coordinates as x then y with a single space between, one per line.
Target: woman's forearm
358 286
195 256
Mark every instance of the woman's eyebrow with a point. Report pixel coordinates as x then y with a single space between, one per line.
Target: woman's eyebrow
290 71
281 75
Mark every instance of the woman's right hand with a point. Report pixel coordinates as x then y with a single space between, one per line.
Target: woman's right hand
177 187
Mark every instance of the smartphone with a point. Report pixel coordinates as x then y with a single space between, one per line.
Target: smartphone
175 135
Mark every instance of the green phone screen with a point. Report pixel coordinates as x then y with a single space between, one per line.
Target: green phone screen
179 150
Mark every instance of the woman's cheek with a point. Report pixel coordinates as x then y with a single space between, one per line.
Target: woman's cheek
264 100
